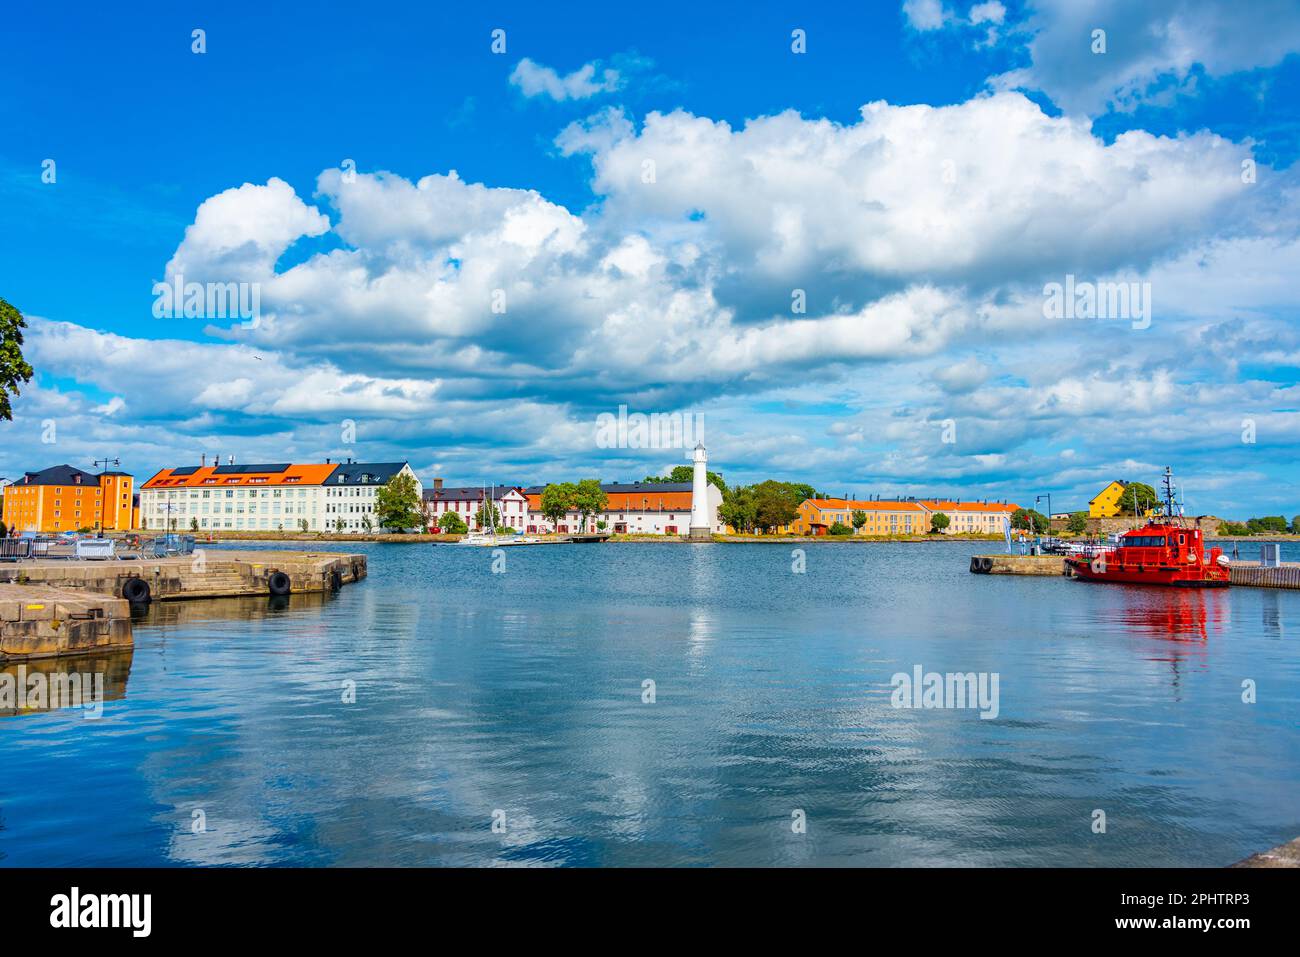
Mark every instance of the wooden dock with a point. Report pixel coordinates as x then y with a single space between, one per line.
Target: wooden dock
205 574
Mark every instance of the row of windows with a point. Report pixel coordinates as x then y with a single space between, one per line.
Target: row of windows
230 493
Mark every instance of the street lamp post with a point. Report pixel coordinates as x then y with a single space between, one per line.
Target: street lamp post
1039 498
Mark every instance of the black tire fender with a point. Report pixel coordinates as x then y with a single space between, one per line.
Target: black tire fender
136 591
279 584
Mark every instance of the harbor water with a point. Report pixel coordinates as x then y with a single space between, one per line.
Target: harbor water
675 705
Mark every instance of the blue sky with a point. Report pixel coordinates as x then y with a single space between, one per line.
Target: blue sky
999 153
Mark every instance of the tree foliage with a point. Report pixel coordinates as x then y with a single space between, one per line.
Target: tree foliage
14 369
1029 519
738 508
488 515
765 506
1137 497
589 499
557 501
1078 522
452 524
939 521
686 473
397 504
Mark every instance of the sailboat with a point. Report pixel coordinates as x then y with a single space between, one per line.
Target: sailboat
480 538
489 538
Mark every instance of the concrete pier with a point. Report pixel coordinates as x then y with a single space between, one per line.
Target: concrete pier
211 574
45 622
1017 565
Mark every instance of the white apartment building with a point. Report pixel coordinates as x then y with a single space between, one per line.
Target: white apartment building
466 500
647 508
267 497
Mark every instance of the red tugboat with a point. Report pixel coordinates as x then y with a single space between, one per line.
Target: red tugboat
1164 552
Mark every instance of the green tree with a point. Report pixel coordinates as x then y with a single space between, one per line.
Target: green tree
1078 522
557 500
452 524
939 521
859 519
1295 525
1029 519
589 499
487 515
801 491
303 525
13 367
775 504
738 508
839 528
1137 497
686 473
397 504
367 525
339 524
194 524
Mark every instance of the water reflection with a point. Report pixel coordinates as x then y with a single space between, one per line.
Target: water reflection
524 693
1179 615
50 684
1270 606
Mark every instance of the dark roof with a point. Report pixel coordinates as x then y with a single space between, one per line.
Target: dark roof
466 493
58 475
244 469
626 488
373 473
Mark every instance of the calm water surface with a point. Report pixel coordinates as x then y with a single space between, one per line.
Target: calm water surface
522 692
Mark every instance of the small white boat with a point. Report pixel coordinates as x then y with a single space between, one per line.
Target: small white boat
480 539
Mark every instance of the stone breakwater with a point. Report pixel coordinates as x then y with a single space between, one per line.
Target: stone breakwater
50 608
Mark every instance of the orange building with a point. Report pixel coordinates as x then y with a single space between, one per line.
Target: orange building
63 498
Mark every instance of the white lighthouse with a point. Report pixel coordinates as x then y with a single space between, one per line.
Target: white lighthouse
701 527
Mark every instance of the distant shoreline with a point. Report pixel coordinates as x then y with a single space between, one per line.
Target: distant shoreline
622 539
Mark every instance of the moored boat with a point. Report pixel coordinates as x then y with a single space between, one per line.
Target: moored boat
1166 551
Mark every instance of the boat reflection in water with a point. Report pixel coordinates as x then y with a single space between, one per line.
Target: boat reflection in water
1187 624
1177 615
51 684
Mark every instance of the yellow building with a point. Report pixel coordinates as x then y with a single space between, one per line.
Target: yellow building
817 515
63 498
973 518
1106 502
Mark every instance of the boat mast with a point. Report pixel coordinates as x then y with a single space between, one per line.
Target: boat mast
1168 482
